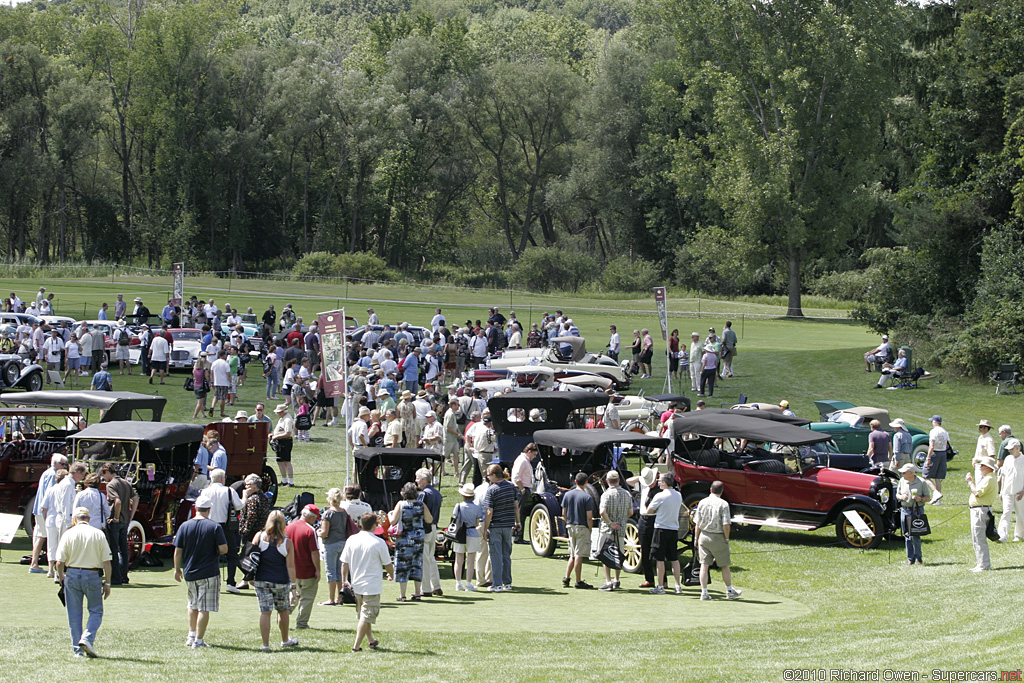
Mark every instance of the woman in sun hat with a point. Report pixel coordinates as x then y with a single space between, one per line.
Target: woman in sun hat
469 514
645 483
283 433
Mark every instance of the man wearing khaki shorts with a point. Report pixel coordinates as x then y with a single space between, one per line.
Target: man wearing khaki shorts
578 509
711 533
363 560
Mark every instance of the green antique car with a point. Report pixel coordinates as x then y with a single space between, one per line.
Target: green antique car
849 426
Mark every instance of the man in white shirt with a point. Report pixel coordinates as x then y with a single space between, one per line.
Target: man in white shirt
437 321
986 446
358 432
372 318
85 348
935 461
611 411
211 310
696 351
878 354
1012 492
665 507
221 371
224 508
159 355
477 349
363 560
614 344
53 350
431 438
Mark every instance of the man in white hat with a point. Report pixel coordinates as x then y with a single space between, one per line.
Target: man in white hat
912 492
359 431
432 435
881 353
902 445
1011 492
644 483
986 445
198 545
983 495
82 553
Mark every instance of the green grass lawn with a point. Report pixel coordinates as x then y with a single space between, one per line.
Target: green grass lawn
808 604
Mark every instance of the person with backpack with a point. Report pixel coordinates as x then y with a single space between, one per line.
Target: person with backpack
101 380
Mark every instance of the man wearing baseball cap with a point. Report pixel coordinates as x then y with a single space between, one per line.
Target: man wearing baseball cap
983 495
912 492
82 554
307 562
198 546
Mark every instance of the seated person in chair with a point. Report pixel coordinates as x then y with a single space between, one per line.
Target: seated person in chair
880 354
897 369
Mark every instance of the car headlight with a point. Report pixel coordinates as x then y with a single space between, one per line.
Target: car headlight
883 496
880 491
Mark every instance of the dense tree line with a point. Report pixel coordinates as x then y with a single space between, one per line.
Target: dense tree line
764 147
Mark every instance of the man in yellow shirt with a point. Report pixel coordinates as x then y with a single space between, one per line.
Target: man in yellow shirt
82 552
983 495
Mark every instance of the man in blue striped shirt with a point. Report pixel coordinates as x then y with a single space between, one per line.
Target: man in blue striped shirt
502 517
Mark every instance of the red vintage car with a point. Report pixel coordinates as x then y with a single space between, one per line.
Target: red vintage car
775 480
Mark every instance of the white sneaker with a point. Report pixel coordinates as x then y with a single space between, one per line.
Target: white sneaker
679 589
290 643
705 596
232 589
264 648
936 501
732 593
459 587
469 587
979 569
198 644
189 641
495 589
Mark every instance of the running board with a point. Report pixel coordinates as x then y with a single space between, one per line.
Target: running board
773 522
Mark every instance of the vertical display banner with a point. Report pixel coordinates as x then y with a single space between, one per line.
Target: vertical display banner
661 297
178 297
332 351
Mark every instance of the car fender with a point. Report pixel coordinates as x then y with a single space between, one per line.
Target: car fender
554 509
28 370
918 439
844 502
695 487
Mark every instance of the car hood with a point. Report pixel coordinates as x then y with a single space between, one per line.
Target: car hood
844 481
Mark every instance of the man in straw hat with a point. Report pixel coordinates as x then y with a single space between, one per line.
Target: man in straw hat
82 554
902 445
645 484
983 495
986 445
912 492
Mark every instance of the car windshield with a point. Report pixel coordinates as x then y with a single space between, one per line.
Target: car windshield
186 335
841 417
248 317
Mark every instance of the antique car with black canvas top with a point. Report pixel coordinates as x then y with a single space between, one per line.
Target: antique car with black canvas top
96 406
595 452
157 459
850 425
786 487
381 473
518 415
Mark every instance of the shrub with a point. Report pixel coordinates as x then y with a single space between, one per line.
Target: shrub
850 285
624 275
315 264
543 269
362 265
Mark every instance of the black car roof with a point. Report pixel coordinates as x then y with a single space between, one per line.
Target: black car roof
730 424
371 452
762 415
592 439
159 435
669 398
126 401
544 399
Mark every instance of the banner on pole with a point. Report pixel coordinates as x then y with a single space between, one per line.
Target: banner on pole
661 297
332 350
179 285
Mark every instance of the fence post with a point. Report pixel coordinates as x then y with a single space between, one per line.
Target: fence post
698 308
346 296
743 323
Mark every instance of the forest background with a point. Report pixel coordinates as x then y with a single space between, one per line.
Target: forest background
868 152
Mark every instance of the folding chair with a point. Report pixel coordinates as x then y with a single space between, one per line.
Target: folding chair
55 378
1005 378
742 399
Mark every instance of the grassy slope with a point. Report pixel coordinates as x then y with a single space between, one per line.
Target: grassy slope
808 604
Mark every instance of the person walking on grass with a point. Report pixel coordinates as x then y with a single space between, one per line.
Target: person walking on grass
935 461
363 561
578 510
275 577
711 527
334 532
307 562
159 355
220 369
83 553
616 507
198 546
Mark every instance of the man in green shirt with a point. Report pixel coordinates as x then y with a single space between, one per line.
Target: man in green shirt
729 342
983 495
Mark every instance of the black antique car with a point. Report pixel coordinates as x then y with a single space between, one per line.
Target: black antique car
563 454
111 405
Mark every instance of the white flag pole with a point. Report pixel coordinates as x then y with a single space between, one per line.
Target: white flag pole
345 401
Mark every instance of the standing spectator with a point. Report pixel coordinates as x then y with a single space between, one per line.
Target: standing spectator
120 307
709 370
468 514
159 355
85 350
98 348
224 508
501 519
198 546
408 517
535 339
91 498
578 510
478 349
451 445
1005 433
102 313
522 479
275 575
145 338
902 445
48 510
411 371
393 432
986 445
307 562
912 492
47 479
1011 490
364 559
83 552
431 499
983 495
614 344
334 532
728 349
646 354
200 382
696 349
935 461
220 369
645 485
879 448
616 507
123 501
665 507
122 342
673 354
371 318
64 498
353 503
711 529
53 350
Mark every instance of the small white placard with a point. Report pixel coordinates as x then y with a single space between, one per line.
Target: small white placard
858 523
10 525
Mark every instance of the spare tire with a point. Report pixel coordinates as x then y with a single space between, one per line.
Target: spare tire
11 373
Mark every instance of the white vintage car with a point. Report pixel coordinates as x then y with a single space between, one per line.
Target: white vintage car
579 359
188 342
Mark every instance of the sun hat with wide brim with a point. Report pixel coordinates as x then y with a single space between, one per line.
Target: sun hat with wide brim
281 408
897 423
984 423
648 476
467 490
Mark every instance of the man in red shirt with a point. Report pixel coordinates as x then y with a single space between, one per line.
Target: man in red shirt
296 333
307 562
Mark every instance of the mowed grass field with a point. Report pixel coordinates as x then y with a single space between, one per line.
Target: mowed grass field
808 604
